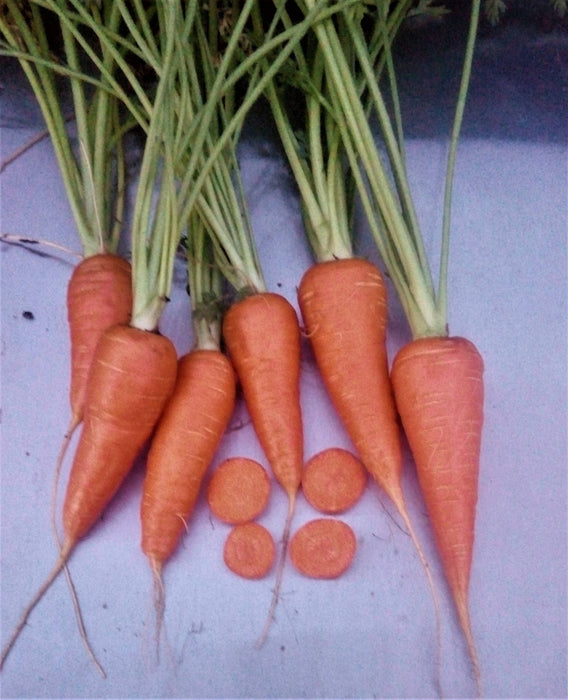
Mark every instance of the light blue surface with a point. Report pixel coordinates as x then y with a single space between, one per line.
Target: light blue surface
371 633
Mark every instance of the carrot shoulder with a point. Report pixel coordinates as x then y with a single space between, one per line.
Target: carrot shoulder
438 385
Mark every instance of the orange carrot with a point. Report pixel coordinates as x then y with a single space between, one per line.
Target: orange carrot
263 339
238 490
344 308
323 548
438 385
249 550
132 374
99 295
186 439
333 480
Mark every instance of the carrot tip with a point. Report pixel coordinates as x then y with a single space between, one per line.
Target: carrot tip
279 573
159 595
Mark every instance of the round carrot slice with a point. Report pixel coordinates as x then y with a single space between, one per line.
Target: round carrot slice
249 550
238 490
323 548
333 480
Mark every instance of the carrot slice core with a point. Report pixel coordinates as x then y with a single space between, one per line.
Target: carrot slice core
323 548
249 550
334 480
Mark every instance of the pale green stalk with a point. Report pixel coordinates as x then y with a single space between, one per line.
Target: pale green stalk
93 171
454 140
401 245
156 229
205 287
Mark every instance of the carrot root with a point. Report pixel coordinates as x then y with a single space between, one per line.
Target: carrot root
81 624
75 422
185 441
64 555
99 295
279 574
159 602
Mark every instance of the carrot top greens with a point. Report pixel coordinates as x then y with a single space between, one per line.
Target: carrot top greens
91 159
382 182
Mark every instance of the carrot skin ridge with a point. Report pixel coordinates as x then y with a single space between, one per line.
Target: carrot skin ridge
344 309
132 375
438 385
183 446
262 335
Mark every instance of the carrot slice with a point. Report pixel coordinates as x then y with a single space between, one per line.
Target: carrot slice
249 550
323 548
333 480
238 490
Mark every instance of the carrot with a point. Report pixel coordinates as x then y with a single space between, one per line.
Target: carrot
438 384
134 368
342 299
323 548
249 550
262 335
182 448
333 480
185 441
344 308
351 66
122 407
238 490
99 295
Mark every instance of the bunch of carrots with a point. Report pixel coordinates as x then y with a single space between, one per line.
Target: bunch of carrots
204 68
